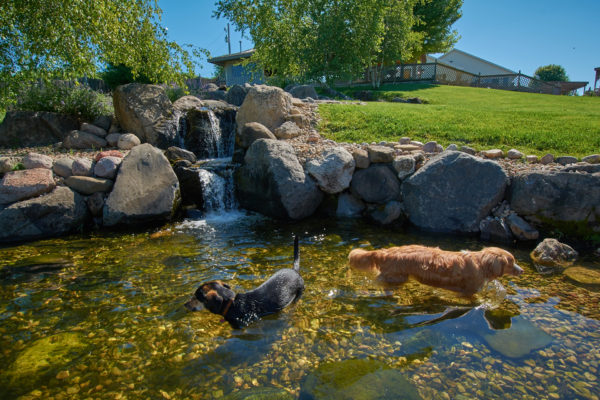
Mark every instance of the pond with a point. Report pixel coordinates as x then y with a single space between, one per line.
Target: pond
102 316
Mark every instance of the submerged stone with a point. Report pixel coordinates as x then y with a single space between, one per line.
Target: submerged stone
585 276
518 341
260 393
357 379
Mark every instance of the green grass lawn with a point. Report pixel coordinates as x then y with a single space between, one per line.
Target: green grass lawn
480 118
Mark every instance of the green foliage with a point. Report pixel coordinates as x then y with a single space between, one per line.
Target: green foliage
59 97
551 72
435 19
116 75
312 40
174 93
18 167
48 39
480 118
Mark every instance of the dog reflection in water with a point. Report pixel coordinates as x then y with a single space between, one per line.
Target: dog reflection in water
241 309
464 272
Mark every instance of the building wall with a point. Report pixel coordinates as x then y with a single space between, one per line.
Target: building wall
238 74
471 64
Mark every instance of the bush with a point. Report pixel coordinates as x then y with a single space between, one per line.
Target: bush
174 93
65 98
117 75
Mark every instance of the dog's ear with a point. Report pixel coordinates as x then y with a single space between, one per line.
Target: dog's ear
213 301
493 263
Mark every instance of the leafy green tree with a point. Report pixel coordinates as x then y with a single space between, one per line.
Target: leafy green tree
60 39
435 20
551 72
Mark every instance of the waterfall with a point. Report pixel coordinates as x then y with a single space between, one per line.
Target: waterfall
217 191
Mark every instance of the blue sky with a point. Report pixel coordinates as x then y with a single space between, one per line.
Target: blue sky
516 34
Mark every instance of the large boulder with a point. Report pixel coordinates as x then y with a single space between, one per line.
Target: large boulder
21 185
251 132
569 201
236 95
53 214
552 253
146 111
35 128
453 192
333 170
376 184
272 182
146 189
210 130
265 104
304 91
83 140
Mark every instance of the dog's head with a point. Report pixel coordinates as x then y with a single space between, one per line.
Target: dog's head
498 262
212 295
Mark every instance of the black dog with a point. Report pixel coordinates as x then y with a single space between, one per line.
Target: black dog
279 291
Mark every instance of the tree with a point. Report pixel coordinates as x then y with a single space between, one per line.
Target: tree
325 39
58 39
435 19
551 72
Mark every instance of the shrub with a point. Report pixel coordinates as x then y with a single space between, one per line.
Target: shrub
174 93
117 75
64 98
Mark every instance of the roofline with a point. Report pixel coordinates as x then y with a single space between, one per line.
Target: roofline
230 57
478 58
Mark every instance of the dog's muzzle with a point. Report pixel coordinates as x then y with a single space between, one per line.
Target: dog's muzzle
194 304
517 270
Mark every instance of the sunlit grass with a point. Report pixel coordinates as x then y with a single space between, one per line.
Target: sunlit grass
480 118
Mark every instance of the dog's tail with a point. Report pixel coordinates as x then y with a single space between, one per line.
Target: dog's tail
296 254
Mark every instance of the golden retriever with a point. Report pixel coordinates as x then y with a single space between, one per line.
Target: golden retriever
465 272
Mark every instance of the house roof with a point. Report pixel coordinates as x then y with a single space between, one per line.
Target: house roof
441 59
221 60
566 87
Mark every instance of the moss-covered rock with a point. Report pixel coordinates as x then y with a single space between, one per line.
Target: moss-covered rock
584 276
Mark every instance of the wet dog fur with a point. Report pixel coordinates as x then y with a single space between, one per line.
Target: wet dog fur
465 272
241 309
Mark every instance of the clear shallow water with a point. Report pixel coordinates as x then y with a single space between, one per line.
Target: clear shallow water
102 317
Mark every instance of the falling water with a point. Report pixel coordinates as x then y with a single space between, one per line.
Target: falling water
218 191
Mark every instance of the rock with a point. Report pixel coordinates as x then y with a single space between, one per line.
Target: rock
452 147
107 167
468 150
82 167
417 143
404 140
103 122
36 160
355 379
35 128
303 92
63 167
265 104
251 132
514 154
93 129
287 130
147 112
273 182
349 206
564 199
593 159
115 127
146 189
530 338
521 229
128 141
404 166
259 393
492 154
89 185
453 192
495 230
236 95
332 170
95 203
187 103
381 154
386 214
552 253
108 153
532 159
57 213
83 140
547 159
211 130
564 160
361 158
584 276
583 167
7 164
408 147
190 184
219 95
113 139
174 153
20 185
432 147
376 184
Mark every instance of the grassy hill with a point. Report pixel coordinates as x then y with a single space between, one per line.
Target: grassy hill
480 118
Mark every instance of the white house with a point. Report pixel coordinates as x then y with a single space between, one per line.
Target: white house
470 63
